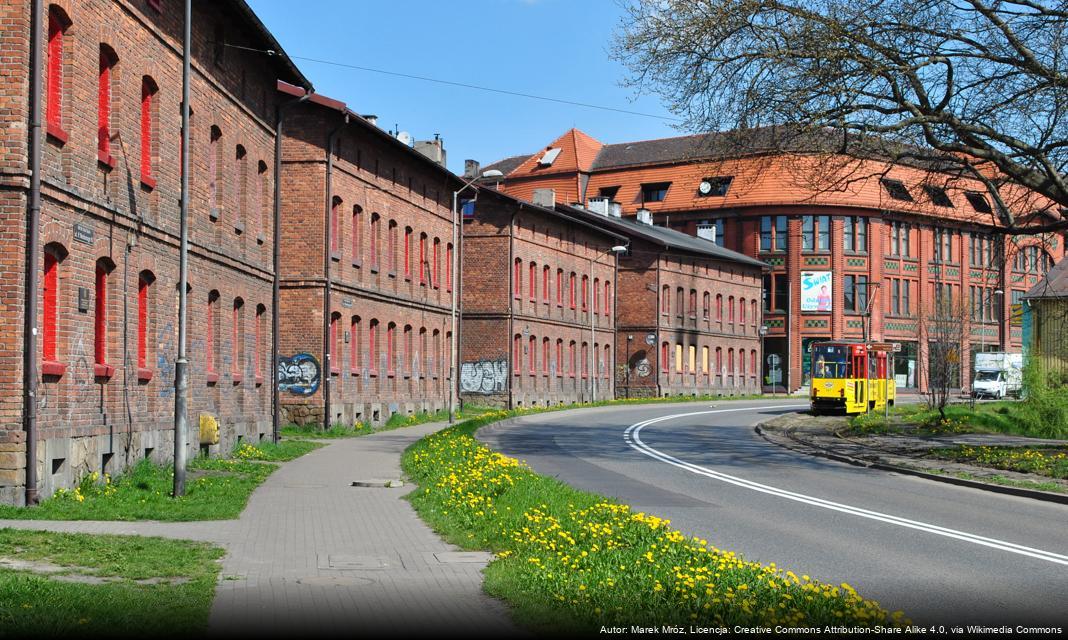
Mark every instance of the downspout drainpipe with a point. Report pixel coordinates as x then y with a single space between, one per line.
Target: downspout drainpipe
328 347
33 258
276 407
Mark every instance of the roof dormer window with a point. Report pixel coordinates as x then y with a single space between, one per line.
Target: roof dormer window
896 189
978 201
655 191
608 192
937 195
549 157
715 186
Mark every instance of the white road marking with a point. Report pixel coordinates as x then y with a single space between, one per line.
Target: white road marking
633 438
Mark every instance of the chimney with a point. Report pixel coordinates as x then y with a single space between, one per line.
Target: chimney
645 216
372 118
433 149
471 168
545 198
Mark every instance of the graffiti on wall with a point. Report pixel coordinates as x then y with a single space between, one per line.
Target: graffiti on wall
299 374
484 376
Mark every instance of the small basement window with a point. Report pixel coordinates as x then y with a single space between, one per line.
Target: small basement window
655 192
937 195
896 189
978 201
715 186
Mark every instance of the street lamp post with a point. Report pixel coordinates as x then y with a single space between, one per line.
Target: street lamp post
454 380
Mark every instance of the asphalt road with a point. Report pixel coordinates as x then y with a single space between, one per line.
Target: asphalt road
942 554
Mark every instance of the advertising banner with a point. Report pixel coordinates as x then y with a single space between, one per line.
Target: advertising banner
816 290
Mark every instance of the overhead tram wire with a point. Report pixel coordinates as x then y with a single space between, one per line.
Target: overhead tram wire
463 85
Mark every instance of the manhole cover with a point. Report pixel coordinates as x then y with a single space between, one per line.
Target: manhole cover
378 484
335 581
354 562
458 557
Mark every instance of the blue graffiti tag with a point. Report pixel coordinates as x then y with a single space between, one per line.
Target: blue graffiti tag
299 375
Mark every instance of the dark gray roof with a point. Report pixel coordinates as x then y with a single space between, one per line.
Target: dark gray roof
557 213
1054 285
506 165
668 238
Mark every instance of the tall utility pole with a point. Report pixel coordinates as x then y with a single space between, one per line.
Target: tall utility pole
181 366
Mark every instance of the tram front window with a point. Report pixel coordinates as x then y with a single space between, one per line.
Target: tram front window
830 361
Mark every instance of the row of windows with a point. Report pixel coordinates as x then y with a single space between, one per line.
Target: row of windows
1033 259
54 315
252 197
737 311
429 258
417 353
685 359
936 194
600 302
553 362
900 297
983 303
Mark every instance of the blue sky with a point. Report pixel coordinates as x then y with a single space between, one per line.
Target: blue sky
555 48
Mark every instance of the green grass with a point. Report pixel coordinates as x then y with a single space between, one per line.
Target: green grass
1004 416
1002 480
35 605
569 561
1043 461
216 489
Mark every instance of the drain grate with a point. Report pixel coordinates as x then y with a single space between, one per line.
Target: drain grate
345 562
378 483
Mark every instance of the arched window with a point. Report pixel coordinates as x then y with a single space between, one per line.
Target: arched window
261 198
585 293
108 60
545 284
705 305
210 335
372 347
391 360
741 312
144 301
375 223
215 168
665 301
258 350
608 298
406 358
149 89
571 359
391 246
517 278
571 286
355 340
560 287
753 313
607 362
408 232
58 22
741 364
517 354
335 215
533 284
357 221
448 266
665 357
596 296
680 302
719 365
730 309
545 356
436 279
719 307
559 357
237 335
424 266
241 162
533 348
422 356
585 360
54 254
100 321
335 343
704 360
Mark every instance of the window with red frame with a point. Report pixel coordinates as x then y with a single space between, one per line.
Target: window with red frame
408 252
665 301
391 363
335 214
545 284
719 361
448 266
545 356
372 347
606 372
357 220
236 334
533 355
571 286
406 352
58 22
214 170
209 337
608 298
533 282
517 354
422 259
571 359
585 293
730 361
585 360
261 198
693 304
680 303
241 162
741 363
719 307
753 312
730 309
149 89
108 60
100 324
144 294
665 357
517 278
741 310
705 305
355 340
375 224
391 246
559 358
559 287
257 349
436 280
596 296
753 361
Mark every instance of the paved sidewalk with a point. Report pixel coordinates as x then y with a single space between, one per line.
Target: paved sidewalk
313 555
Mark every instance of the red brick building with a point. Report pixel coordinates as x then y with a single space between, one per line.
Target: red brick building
900 235
377 215
688 312
538 303
111 87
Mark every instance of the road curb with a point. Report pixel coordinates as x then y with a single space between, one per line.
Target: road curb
814 450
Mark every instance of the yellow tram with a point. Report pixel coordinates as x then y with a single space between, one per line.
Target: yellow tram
854 377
